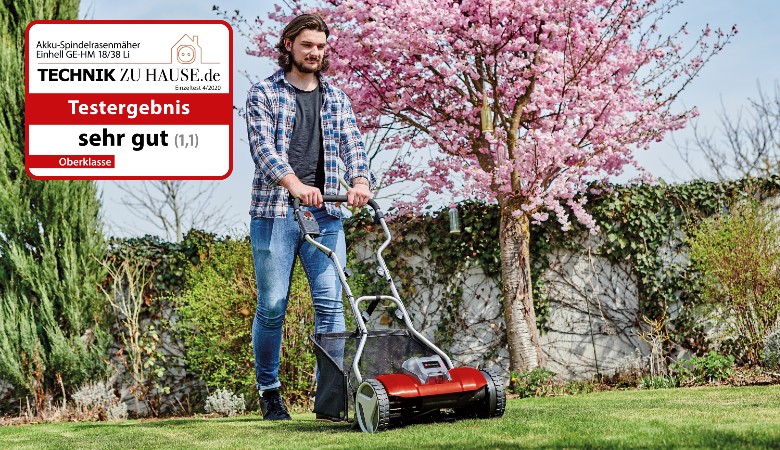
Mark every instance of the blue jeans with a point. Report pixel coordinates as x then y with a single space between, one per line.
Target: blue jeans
275 245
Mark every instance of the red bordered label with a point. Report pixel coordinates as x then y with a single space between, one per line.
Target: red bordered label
129 100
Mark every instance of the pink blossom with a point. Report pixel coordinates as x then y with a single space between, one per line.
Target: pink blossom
577 87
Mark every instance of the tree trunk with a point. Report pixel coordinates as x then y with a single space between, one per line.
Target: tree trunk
525 352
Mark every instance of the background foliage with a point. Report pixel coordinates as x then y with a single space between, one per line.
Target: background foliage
51 312
738 256
217 306
642 225
144 274
211 278
646 225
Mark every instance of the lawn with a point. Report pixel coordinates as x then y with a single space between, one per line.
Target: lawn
741 417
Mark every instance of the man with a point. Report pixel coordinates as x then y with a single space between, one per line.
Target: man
298 126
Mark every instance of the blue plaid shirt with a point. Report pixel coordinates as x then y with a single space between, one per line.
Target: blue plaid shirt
270 114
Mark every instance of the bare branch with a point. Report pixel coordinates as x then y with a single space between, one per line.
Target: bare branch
747 142
175 206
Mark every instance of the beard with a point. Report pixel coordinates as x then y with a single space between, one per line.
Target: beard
307 66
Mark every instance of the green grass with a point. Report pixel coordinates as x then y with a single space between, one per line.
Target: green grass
667 418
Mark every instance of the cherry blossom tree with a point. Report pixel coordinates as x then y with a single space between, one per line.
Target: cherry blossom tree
528 102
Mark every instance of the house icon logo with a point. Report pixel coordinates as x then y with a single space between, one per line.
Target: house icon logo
186 50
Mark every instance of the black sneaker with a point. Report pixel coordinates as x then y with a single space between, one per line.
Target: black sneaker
272 406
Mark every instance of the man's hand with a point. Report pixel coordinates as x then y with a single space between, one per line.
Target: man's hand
359 195
309 195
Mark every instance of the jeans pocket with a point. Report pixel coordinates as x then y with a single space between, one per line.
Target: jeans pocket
261 233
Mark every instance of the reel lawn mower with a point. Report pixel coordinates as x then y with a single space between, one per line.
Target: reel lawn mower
396 376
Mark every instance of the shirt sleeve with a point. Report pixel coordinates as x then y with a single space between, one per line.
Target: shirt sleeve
260 124
351 147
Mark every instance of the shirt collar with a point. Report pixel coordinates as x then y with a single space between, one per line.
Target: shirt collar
278 77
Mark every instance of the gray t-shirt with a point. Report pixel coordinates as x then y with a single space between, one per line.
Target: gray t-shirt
305 155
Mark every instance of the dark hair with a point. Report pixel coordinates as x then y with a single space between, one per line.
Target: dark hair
292 30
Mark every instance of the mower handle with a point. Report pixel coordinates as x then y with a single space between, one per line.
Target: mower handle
296 204
310 229
336 199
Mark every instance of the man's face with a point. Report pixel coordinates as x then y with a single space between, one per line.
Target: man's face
307 50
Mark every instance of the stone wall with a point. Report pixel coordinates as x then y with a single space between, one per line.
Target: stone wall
593 318
593 324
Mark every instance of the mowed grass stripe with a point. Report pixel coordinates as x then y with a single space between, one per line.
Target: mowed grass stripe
723 417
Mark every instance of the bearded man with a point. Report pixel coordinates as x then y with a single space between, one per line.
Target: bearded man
299 126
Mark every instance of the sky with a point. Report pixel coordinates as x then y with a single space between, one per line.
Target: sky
726 83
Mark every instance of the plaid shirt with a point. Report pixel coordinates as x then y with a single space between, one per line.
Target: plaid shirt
270 114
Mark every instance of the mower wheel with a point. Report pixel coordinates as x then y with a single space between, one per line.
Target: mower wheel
372 406
492 404
495 400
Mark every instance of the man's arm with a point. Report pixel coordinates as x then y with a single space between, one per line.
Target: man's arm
260 124
360 193
309 195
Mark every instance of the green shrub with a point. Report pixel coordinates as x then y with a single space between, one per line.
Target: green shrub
532 383
217 308
52 330
703 369
738 258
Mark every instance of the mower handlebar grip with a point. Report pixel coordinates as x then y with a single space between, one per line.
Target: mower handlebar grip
343 199
296 202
